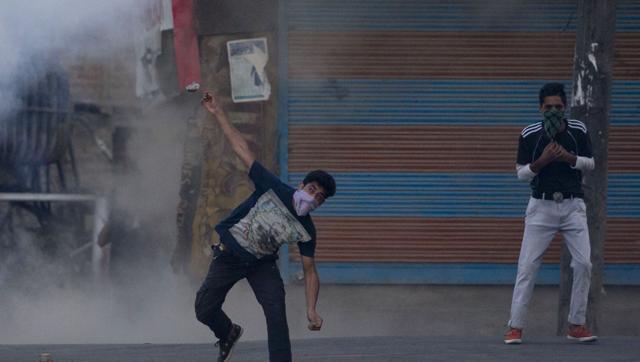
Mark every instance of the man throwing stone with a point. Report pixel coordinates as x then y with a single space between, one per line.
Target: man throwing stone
250 237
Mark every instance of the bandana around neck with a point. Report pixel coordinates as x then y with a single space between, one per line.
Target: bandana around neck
303 203
553 121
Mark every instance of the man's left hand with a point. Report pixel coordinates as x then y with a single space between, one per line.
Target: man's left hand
315 321
566 156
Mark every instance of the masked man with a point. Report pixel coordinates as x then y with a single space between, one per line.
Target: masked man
552 155
250 237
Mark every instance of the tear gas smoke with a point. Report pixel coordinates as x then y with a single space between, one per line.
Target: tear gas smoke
46 295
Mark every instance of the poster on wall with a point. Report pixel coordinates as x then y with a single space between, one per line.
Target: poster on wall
247 61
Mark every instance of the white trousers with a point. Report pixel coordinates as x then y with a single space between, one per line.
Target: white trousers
544 218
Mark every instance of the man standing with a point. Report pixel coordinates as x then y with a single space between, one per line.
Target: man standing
552 155
250 237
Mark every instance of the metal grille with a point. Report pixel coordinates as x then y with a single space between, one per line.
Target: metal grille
416 107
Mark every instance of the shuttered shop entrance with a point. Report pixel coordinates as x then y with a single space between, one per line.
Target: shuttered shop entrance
416 108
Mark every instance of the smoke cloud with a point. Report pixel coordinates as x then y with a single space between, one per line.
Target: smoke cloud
43 31
47 294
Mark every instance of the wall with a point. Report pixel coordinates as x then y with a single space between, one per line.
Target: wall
223 181
416 107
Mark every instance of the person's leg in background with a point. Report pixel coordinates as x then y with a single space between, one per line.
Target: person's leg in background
576 235
540 228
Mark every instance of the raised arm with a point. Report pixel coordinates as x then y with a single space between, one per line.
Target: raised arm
312 288
238 143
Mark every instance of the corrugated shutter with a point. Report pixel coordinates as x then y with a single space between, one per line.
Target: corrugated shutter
416 107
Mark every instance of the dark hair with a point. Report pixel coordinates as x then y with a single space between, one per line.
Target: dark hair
552 89
323 179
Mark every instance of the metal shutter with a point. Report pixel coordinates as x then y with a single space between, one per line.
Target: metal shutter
416 108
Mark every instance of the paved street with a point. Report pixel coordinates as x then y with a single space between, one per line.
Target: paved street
348 349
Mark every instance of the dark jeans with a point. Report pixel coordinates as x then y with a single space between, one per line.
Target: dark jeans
264 278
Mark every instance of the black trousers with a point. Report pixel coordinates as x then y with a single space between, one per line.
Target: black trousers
264 278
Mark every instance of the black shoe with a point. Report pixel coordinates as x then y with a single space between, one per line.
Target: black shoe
227 345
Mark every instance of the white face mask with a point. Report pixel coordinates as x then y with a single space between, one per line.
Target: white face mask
303 203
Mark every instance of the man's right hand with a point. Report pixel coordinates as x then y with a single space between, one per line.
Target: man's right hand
236 139
211 104
549 154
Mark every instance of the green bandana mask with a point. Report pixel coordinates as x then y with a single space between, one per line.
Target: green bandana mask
553 120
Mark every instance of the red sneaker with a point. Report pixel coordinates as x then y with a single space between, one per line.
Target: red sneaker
580 333
513 336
